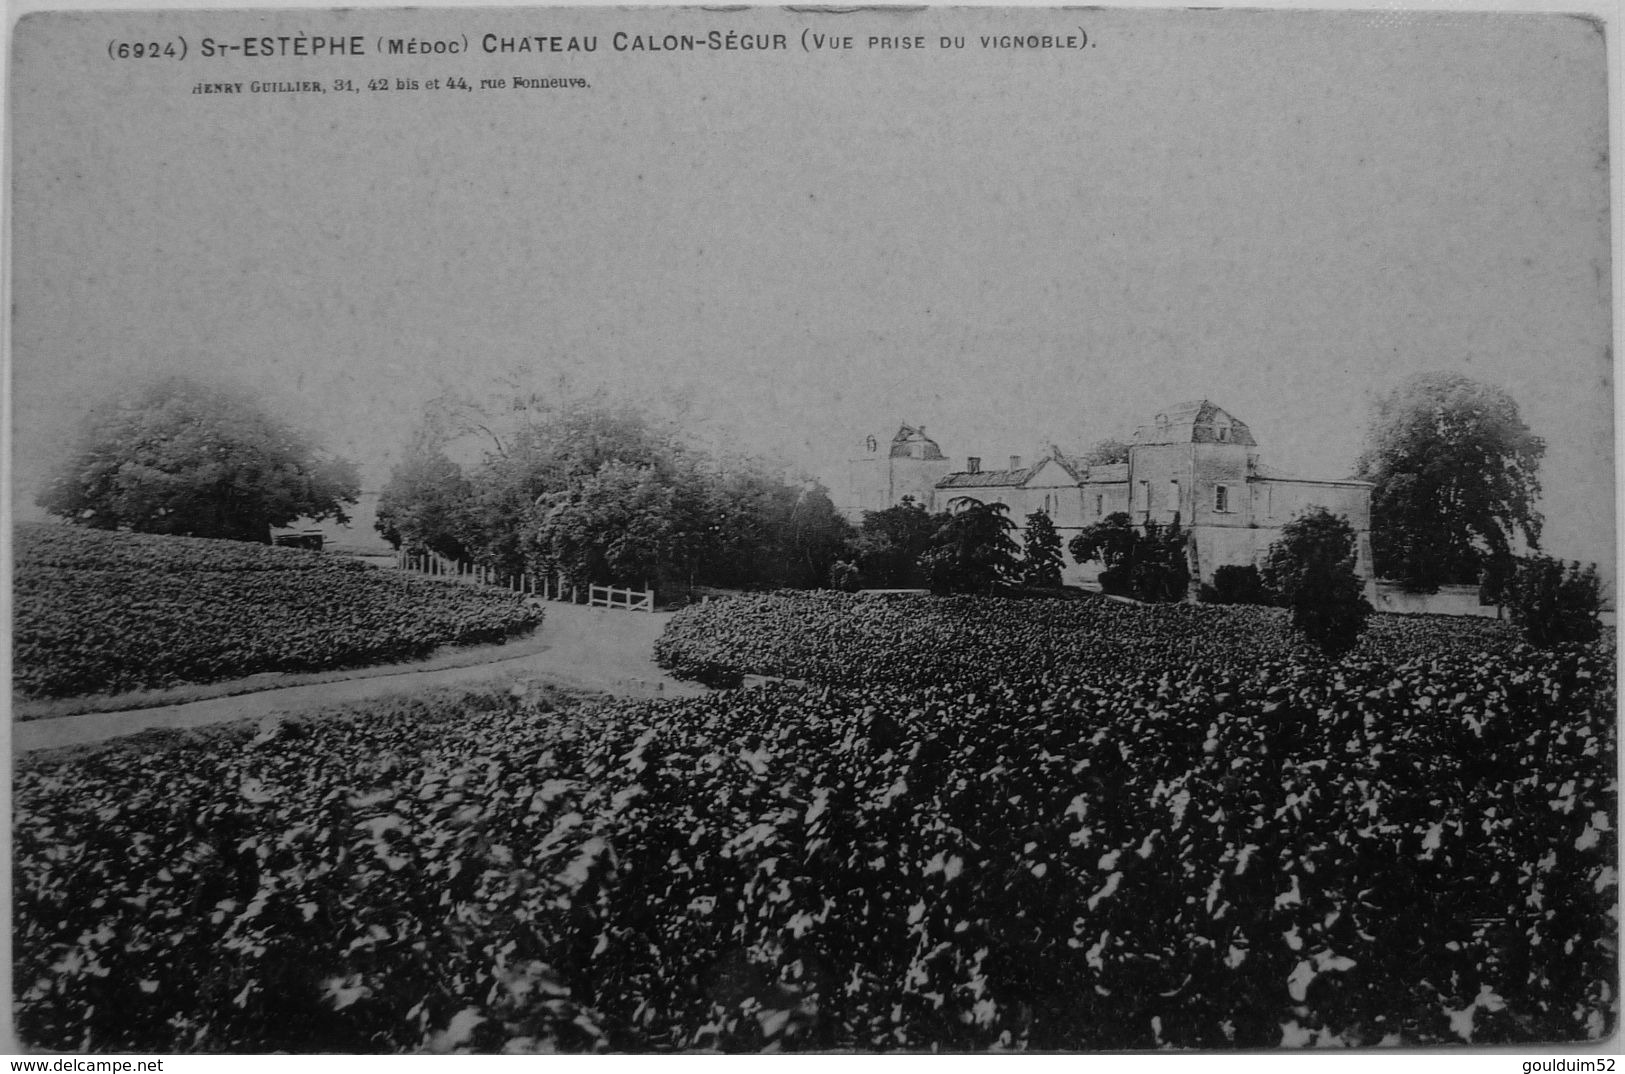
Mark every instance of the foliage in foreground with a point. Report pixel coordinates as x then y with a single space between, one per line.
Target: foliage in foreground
1123 854
1233 584
1553 603
100 612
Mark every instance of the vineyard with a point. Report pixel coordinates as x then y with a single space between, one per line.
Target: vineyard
1119 828
101 612
839 639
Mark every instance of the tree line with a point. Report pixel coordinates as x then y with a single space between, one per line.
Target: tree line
605 492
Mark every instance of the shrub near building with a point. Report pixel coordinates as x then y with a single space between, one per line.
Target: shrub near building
1554 604
1312 568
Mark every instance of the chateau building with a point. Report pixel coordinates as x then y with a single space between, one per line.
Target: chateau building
911 467
1193 460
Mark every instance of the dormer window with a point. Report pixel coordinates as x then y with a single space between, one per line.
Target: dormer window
1223 433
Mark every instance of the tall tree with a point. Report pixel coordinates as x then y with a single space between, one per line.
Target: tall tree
1456 472
892 542
1041 552
426 504
615 527
973 551
818 537
181 456
516 446
1162 570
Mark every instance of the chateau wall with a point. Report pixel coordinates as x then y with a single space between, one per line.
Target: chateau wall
1100 500
1220 464
1449 600
917 478
1220 546
1277 502
866 483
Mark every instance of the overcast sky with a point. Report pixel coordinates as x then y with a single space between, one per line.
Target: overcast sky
1283 212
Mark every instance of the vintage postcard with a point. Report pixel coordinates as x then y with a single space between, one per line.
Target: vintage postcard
878 530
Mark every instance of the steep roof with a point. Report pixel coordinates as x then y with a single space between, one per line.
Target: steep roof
1073 465
1200 422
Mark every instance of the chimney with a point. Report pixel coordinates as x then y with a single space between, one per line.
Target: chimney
1015 462
973 465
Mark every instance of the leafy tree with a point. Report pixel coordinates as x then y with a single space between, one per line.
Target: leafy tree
1162 565
1150 563
540 477
1311 566
1106 452
1111 542
543 447
1553 603
1041 553
973 551
767 531
1495 580
426 504
614 528
892 543
183 457
817 538
1456 475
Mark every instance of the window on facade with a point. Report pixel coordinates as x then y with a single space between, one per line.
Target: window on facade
1221 497
1143 493
1173 497
1100 506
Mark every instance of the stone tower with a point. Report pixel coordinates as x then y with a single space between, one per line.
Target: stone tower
879 476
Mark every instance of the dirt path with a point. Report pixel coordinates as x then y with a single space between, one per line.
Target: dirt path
588 648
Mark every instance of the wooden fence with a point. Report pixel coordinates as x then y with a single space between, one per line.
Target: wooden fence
541 586
634 600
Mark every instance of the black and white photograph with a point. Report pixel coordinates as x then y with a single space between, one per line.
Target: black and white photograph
863 531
